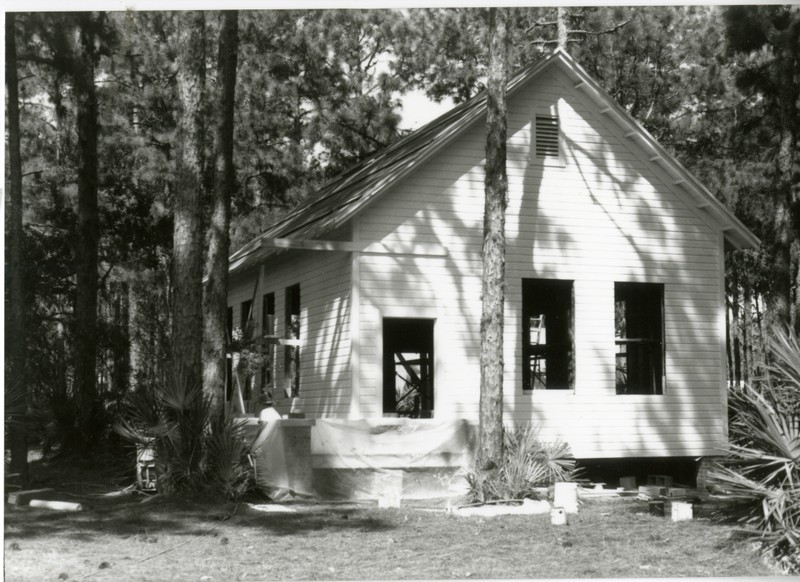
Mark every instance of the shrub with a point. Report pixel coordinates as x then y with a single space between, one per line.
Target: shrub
194 449
228 467
763 467
528 464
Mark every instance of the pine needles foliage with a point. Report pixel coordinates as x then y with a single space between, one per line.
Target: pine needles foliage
763 468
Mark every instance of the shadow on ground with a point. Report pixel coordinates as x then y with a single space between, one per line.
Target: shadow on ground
129 516
99 487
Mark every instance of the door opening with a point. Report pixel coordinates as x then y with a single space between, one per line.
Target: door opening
408 367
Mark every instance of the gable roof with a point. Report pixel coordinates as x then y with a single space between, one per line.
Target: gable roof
340 199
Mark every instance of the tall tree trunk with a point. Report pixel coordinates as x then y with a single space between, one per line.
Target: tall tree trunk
762 344
736 333
83 68
215 296
728 342
16 386
187 258
747 334
136 334
562 31
787 211
120 346
493 285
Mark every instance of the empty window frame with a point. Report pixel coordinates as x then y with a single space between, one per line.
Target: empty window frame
291 362
408 367
548 344
268 330
547 136
639 337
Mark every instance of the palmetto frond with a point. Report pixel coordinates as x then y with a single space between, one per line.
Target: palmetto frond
764 461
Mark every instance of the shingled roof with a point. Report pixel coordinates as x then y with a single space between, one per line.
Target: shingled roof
343 197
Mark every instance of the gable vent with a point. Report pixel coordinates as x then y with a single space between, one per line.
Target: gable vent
546 136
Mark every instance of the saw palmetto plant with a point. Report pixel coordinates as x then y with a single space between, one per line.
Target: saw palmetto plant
764 463
528 463
194 448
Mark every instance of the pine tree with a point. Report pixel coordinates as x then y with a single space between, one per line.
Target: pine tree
768 40
187 304
88 235
215 293
16 386
493 283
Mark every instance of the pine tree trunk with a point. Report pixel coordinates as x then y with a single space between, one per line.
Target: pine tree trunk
787 209
16 387
747 333
120 346
493 285
735 334
85 348
215 296
762 344
728 342
561 27
187 258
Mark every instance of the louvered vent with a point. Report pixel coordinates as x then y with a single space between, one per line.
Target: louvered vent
546 136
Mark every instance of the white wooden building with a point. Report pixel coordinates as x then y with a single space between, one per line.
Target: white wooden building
614 316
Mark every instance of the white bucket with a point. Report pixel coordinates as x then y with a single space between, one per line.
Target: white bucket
566 496
681 511
558 516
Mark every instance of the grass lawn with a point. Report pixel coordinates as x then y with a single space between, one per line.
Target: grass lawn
122 538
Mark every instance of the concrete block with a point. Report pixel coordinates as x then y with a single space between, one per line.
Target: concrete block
704 467
57 505
659 480
391 501
297 450
656 508
651 490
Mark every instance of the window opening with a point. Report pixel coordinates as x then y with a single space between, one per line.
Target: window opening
546 136
639 337
548 352
268 330
291 369
408 367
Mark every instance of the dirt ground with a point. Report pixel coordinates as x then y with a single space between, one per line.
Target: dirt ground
132 538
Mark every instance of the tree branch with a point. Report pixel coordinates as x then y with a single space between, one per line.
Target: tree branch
599 32
360 132
541 23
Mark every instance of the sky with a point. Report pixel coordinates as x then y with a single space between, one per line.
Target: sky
418 109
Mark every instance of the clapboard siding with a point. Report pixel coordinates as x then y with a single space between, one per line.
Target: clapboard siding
325 283
605 213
